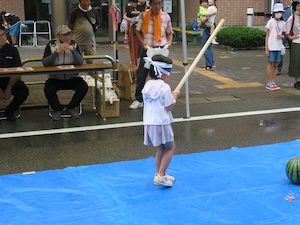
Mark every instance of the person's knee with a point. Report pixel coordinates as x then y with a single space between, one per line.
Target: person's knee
81 87
170 146
50 87
20 89
84 87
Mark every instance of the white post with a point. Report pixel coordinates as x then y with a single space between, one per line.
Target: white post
250 13
185 64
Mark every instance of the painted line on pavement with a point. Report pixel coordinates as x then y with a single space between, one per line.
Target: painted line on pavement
226 82
134 124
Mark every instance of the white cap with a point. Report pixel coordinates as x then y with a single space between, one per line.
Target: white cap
62 29
278 7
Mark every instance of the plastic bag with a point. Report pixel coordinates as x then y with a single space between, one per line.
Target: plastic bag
156 51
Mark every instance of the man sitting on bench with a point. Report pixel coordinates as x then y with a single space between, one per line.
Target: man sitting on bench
64 51
9 57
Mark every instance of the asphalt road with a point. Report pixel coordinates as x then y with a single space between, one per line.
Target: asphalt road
228 107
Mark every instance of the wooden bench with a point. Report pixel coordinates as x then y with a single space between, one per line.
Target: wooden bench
194 34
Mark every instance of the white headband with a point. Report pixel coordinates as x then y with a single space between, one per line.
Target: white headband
159 67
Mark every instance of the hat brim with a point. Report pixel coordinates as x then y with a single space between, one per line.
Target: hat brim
278 11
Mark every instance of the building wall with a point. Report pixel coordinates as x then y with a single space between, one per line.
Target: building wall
233 11
13 6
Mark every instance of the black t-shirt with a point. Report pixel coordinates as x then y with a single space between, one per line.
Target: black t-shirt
9 57
142 8
129 9
11 18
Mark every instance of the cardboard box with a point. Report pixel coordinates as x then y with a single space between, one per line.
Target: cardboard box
112 109
127 75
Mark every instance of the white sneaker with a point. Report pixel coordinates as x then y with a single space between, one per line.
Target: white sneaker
158 180
136 104
214 41
170 178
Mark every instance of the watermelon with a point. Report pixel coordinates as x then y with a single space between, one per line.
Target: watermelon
292 170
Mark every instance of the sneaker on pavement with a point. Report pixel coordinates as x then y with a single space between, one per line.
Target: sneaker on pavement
136 104
74 113
158 180
10 116
272 87
297 85
275 87
56 115
170 178
268 86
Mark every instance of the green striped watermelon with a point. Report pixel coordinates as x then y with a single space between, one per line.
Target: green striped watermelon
292 170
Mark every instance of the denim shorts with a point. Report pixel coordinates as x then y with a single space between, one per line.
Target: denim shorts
15 29
275 56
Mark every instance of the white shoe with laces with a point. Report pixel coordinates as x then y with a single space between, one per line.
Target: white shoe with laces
165 180
136 104
170 178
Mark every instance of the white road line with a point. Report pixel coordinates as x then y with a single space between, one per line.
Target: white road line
134 124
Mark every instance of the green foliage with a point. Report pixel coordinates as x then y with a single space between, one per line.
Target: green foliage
241 37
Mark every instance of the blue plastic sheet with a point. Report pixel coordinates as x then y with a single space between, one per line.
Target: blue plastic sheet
237 186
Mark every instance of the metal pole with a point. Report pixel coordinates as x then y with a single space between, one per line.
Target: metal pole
185 63
114 10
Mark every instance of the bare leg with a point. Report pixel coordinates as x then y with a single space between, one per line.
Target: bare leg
274 71
163 158
14 40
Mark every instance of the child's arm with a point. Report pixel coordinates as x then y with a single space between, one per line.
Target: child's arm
130 20
267 43
208 14
175 95
135 13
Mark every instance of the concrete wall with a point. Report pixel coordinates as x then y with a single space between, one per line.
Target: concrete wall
13 6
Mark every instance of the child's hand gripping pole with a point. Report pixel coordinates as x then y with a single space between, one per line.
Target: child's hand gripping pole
191 68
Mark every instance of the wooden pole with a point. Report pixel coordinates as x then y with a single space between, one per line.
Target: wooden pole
191 68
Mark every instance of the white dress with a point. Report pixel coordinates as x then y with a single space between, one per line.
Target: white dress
157 95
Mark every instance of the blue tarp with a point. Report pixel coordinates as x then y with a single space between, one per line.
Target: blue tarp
237 186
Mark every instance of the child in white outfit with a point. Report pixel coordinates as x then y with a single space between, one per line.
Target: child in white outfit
159 100
275 32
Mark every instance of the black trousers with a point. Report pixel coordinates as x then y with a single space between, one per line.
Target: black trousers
53 85
142 74
20 93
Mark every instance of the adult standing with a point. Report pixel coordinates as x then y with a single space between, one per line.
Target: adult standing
288 12
154 29
9 57
63 51
134 49
211 14
84 21
293 33
132 17
13 23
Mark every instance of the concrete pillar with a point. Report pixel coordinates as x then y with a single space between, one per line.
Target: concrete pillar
59 13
